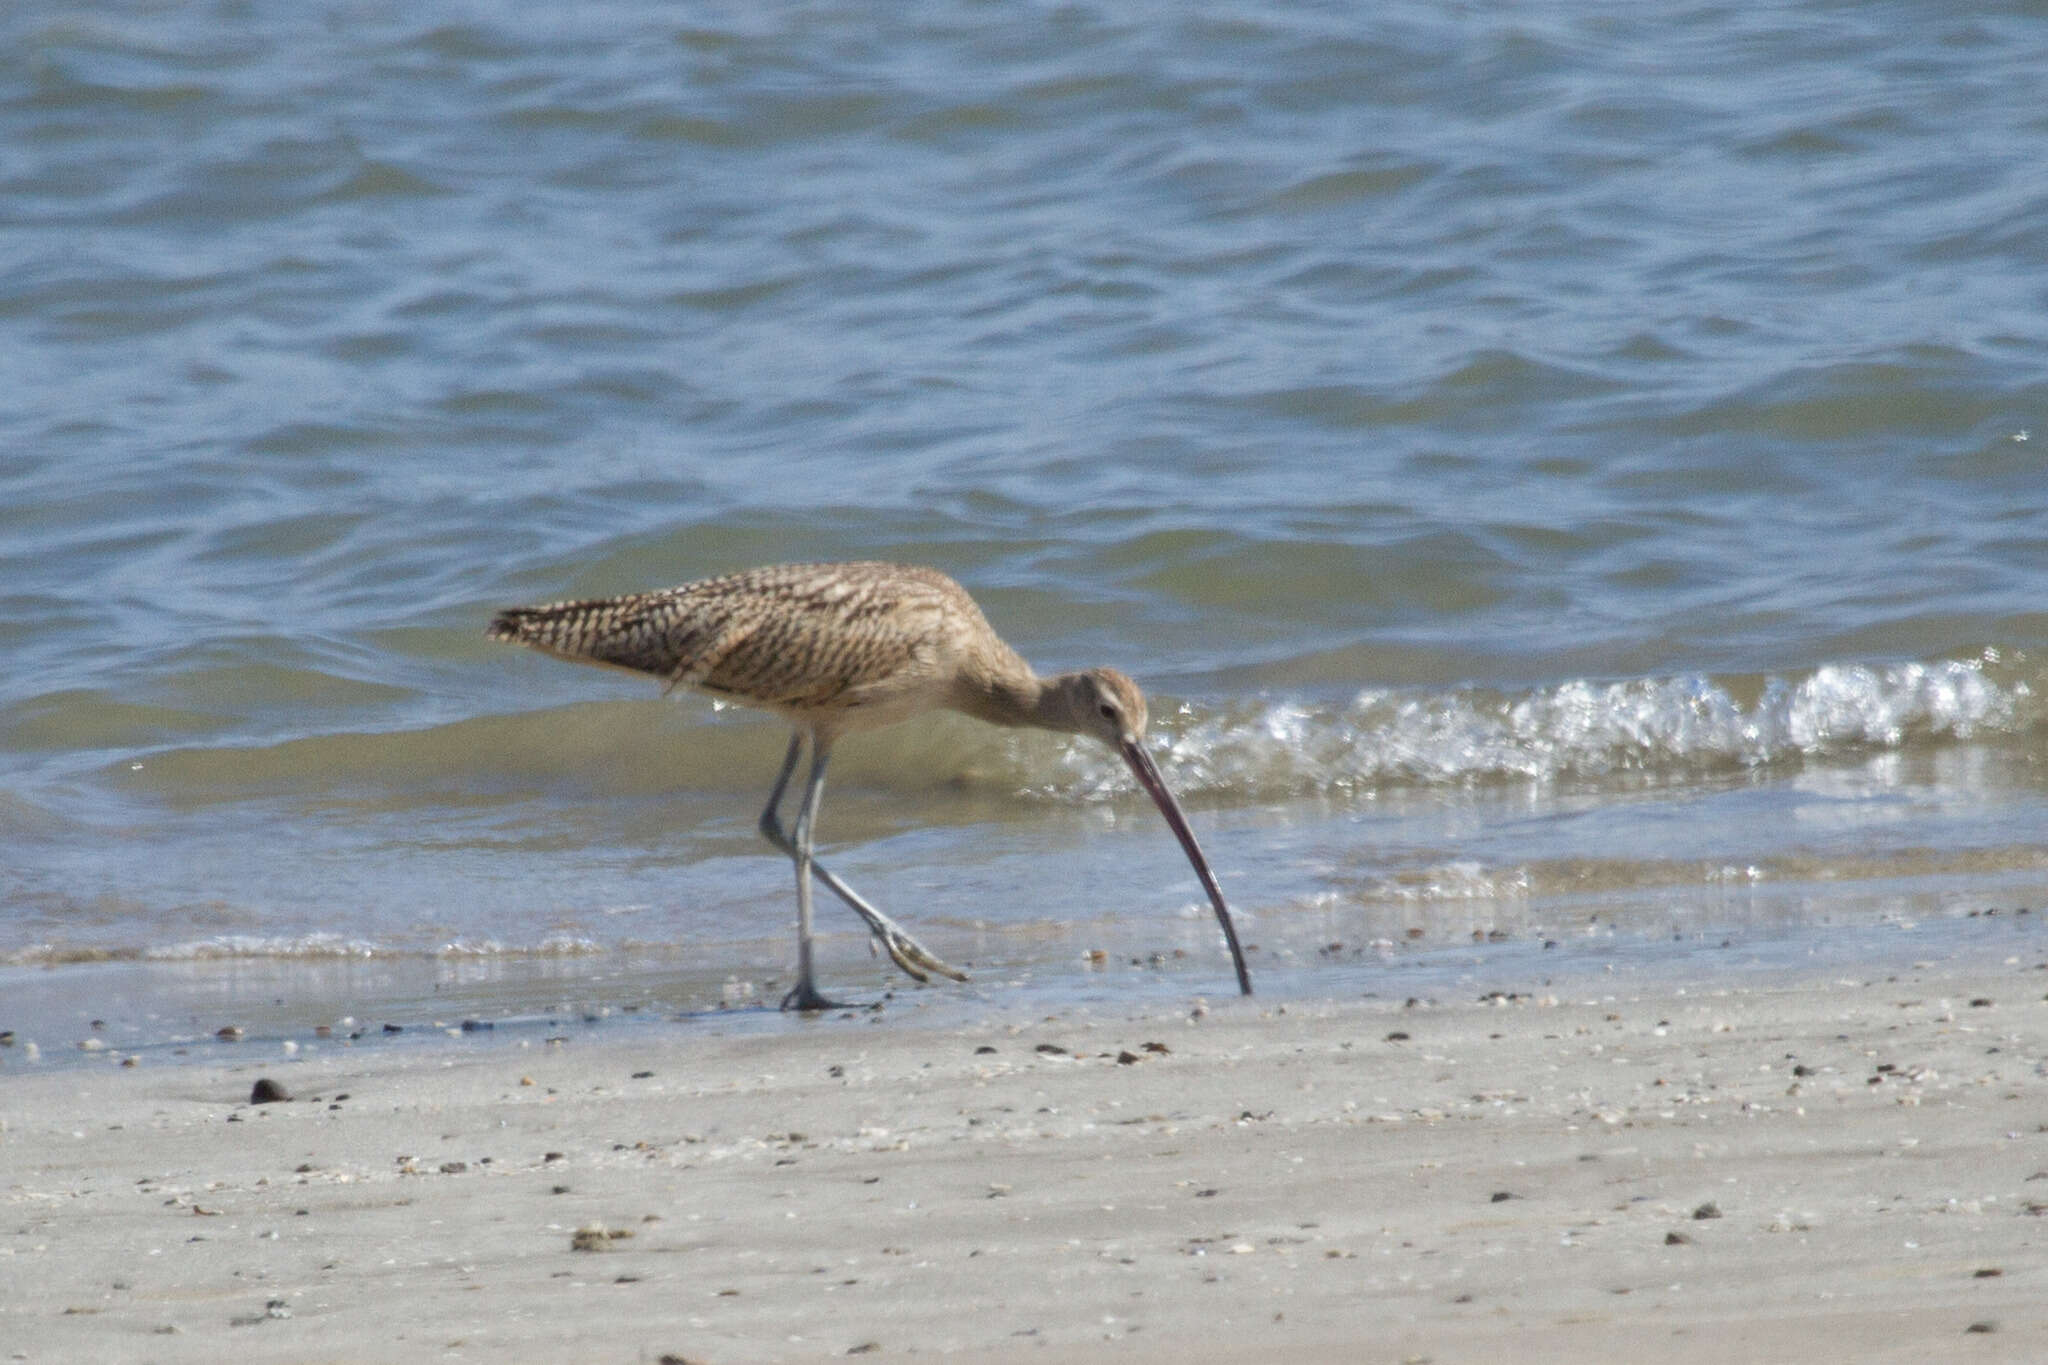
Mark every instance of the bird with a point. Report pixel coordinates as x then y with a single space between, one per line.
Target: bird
834 649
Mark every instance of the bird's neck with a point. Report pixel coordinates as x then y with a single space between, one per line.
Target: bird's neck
1009 693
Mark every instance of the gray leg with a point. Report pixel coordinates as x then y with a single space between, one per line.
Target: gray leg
771 823
904 950
806 995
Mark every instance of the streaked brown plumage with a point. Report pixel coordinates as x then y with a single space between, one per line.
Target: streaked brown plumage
834 648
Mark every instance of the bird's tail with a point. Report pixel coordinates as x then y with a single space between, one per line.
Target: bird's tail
623 632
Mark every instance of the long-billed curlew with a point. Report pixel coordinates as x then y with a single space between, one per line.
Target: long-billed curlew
833 648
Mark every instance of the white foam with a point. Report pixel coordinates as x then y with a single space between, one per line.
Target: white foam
1577 729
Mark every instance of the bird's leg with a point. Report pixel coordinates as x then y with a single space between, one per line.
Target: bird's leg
771 822
904 950
805 996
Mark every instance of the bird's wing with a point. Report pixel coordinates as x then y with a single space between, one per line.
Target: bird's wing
814 642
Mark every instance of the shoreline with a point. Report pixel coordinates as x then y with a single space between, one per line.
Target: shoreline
1454 1178
189 1011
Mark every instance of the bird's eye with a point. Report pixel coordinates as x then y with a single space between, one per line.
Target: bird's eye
1107 710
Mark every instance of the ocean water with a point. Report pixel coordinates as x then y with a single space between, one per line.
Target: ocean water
1567 474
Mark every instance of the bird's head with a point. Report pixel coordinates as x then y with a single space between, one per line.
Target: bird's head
1104 703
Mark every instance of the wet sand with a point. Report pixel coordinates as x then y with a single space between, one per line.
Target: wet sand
1804 1166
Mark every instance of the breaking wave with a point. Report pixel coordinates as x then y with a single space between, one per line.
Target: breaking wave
1576 730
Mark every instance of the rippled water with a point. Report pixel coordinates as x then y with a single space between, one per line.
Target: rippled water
1556 467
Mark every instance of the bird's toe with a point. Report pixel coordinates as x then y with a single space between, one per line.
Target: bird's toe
913 957
806 999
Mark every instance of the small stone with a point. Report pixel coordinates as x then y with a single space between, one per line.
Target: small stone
597 1237
1707 1210
267 1091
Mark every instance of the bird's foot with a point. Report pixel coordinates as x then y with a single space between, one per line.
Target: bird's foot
807 999
907 953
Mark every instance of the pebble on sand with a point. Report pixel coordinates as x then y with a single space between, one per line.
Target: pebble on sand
597 1237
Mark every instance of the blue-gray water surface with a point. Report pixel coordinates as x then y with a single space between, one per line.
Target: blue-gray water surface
1562 470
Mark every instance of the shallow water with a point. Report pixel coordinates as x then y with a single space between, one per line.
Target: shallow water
1551 466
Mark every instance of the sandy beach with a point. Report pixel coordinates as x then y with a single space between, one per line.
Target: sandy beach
1808 1166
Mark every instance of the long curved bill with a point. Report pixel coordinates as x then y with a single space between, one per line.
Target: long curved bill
1148 776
